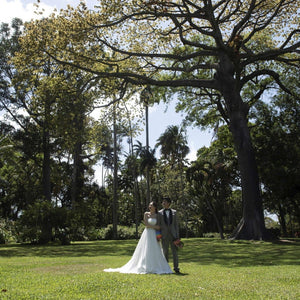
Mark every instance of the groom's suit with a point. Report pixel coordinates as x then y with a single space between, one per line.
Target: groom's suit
170 231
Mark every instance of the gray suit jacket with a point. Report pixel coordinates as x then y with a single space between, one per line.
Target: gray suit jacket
168 231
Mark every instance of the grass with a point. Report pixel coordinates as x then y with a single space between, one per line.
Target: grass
212 269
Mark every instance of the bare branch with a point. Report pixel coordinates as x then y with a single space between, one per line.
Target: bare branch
266 21
273 54
141 79
263 72
161 55
289 38
241 24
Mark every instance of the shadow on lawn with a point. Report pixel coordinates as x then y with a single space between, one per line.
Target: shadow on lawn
202 251
241 253
95 248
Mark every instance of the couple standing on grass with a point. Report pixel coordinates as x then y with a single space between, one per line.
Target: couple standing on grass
149 256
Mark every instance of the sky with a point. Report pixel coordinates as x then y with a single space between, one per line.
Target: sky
160 116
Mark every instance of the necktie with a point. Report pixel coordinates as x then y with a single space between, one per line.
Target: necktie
168 215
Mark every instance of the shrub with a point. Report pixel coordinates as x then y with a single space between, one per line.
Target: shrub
214 235
2 238
124 232
7 231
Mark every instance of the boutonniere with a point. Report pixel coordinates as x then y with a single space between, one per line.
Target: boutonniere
178 243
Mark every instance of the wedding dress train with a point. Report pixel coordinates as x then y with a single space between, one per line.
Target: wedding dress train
147 257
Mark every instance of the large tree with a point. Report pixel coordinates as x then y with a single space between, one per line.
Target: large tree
277 142
223 51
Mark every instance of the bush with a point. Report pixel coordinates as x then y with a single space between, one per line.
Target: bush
193 228
105 233
2 238
30 224
214 235
7 231
63 235
273 233
124 232
188 233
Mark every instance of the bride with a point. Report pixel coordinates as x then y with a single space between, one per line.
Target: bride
148 256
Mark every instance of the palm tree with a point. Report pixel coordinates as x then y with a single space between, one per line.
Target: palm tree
145 96
173 148
147 164
173 144
147 156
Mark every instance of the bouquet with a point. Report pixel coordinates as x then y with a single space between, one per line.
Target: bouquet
158 235
178 243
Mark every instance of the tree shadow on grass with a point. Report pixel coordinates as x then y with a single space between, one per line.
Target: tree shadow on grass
202 251
241 253
77 249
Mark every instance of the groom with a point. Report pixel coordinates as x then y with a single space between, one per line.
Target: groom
168 222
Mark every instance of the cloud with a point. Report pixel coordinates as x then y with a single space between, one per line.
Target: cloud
26 9
19 9
192 155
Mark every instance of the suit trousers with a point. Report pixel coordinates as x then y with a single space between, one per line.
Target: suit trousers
166 243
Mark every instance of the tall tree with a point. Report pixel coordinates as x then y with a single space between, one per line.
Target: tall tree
211 178
113 115
147 163
277 142
216 48
9 36
174 149
145 97
173 144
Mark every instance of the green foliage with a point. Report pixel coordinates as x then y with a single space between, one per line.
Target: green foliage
173 144
58 99
214 235
213 182
7 232
124 232
276 140
30 225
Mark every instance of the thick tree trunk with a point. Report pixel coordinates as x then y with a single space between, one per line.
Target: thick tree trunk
252 225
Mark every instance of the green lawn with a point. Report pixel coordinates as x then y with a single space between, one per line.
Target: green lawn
212 269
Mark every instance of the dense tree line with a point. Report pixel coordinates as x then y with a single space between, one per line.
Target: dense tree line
222 56
49 143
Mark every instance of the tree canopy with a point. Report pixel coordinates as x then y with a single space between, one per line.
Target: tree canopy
222 54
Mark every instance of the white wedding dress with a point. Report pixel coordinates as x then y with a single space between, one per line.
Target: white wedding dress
147 257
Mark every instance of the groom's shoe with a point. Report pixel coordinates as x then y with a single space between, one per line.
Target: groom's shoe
177 271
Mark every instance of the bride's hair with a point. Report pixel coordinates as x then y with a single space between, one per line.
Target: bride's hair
155 205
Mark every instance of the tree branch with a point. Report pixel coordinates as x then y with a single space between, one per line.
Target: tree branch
141 79
270 73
